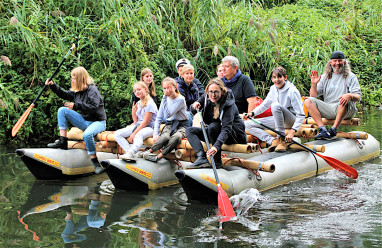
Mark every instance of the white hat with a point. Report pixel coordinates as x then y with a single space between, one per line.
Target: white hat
182 62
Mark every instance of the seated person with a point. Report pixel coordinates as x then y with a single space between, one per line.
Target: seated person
90 118
340 89
224 123
287 109
147 77
220 71
173 109
240 84
188 88
144 114
179 64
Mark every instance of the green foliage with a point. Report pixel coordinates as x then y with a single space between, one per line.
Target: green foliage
116 39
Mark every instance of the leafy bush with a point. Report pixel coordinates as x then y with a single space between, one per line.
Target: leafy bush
116 39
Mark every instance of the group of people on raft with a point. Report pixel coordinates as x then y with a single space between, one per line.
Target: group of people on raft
222 101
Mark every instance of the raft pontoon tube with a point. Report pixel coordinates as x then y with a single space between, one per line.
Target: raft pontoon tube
290 166
53 164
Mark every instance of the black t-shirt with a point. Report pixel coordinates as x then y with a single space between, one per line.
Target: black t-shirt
242 89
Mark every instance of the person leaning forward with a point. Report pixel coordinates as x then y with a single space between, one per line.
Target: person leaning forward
224 124
240 84
340 90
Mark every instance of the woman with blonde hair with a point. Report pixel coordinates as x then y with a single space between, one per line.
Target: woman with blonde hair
144 113
86 99
147 77
224 124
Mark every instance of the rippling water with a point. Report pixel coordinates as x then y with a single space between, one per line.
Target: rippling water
329 210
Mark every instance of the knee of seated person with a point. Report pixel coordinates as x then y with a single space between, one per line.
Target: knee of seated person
308 103
87 135
62 110
275 107
118 133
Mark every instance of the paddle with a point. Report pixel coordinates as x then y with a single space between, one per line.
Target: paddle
225 206
336 164
22 119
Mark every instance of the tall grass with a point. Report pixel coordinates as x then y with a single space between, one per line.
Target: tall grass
117 38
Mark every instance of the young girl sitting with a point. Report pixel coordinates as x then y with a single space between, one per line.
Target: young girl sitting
173 109
144 113
287 109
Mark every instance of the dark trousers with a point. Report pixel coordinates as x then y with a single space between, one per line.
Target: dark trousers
195 135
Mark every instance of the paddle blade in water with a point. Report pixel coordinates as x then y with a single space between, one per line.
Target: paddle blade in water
21 120
225 206
340 166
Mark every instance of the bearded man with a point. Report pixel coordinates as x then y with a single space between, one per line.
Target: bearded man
340 90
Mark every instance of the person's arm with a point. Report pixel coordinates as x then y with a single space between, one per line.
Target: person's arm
314 78
64 94
200 86
227 122
249 93
159 117
134 112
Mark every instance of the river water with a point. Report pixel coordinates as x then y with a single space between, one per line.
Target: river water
329 210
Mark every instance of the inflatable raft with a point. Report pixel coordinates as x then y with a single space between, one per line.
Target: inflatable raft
289 166
53 164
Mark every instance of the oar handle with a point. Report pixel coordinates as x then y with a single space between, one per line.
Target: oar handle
55 72
208 146
281 134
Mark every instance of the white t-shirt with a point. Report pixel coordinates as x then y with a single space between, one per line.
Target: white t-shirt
150 107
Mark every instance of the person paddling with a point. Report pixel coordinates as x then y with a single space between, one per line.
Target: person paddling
287 109
172 108
224 124
144 113
86 99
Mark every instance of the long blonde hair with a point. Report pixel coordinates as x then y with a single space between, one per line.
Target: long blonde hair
152 85
83 80
147 98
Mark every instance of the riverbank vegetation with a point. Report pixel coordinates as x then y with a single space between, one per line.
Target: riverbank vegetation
115 39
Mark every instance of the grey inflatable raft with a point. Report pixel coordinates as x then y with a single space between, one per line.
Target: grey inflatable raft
53 164
290 166
142 174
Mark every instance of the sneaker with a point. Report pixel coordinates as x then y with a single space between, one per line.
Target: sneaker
333 133
323 135
128 156
281 147
273 145
151 157
140 154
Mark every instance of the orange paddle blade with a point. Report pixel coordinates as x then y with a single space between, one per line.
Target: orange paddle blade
225 206
340 166
21 120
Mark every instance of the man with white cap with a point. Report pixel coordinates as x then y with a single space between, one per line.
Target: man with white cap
340 90
179 65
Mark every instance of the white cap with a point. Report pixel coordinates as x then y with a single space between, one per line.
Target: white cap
182 62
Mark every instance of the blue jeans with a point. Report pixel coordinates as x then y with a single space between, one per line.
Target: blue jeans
190 117
90 128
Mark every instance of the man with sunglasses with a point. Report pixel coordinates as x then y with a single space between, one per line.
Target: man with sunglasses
340 90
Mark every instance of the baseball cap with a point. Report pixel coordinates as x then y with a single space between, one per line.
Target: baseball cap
182 62
337 55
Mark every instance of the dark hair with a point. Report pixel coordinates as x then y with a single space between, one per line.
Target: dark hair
279 71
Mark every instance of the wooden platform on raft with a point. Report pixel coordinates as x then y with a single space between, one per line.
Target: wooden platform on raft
106 140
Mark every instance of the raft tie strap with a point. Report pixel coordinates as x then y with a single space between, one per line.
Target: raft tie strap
253 138
256 172
355 140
